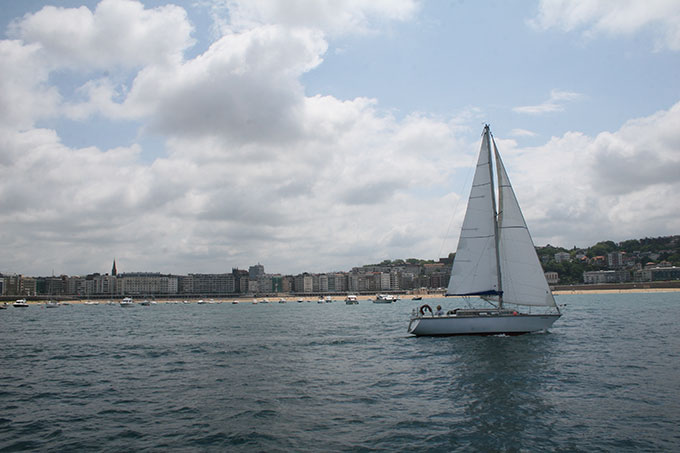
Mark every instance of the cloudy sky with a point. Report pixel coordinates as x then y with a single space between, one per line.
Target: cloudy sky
318 135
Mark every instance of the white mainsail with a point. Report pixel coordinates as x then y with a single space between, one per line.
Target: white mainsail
475 269
522 278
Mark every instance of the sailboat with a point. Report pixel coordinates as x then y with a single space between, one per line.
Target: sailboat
496 261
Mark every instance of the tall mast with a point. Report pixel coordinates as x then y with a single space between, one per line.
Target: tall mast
495 217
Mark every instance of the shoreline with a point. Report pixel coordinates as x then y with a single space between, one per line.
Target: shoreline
313 299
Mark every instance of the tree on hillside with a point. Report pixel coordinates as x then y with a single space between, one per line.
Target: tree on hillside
630 246
602 248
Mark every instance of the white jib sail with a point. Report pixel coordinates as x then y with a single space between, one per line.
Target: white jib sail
475 269
522 276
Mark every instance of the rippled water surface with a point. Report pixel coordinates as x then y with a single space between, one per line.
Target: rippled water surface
336 377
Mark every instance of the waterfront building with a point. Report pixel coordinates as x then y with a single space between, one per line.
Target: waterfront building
265 283
105 284
75 285
353 282
385 281
212 283
337 282
395 280
147 283
13 284
253 286
240 280
277 283
323 283
611 276
407 280
552 278
655 274
255 272
304 283
287 284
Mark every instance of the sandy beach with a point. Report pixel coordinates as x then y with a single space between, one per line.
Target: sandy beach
365 297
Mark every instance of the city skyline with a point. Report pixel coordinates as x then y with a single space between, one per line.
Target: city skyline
196 138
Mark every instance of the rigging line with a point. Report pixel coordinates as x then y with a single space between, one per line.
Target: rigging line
455 210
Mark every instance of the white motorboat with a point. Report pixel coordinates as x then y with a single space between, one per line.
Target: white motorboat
384 299
51 304
351 299
20 303
127 302
495 262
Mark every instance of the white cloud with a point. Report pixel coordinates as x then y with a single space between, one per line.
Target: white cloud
117 33
575 189
25 95
555 103
614 17
256 170
522 133
333 17
243 88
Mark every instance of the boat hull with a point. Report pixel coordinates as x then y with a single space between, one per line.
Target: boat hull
480 325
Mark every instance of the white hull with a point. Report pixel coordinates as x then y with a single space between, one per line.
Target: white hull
480 325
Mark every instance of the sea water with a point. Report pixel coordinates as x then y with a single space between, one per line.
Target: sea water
335 377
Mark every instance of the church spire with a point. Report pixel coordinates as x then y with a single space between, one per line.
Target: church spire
113 269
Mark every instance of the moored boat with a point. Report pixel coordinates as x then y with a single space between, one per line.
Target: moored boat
127 302
384 299
20 303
